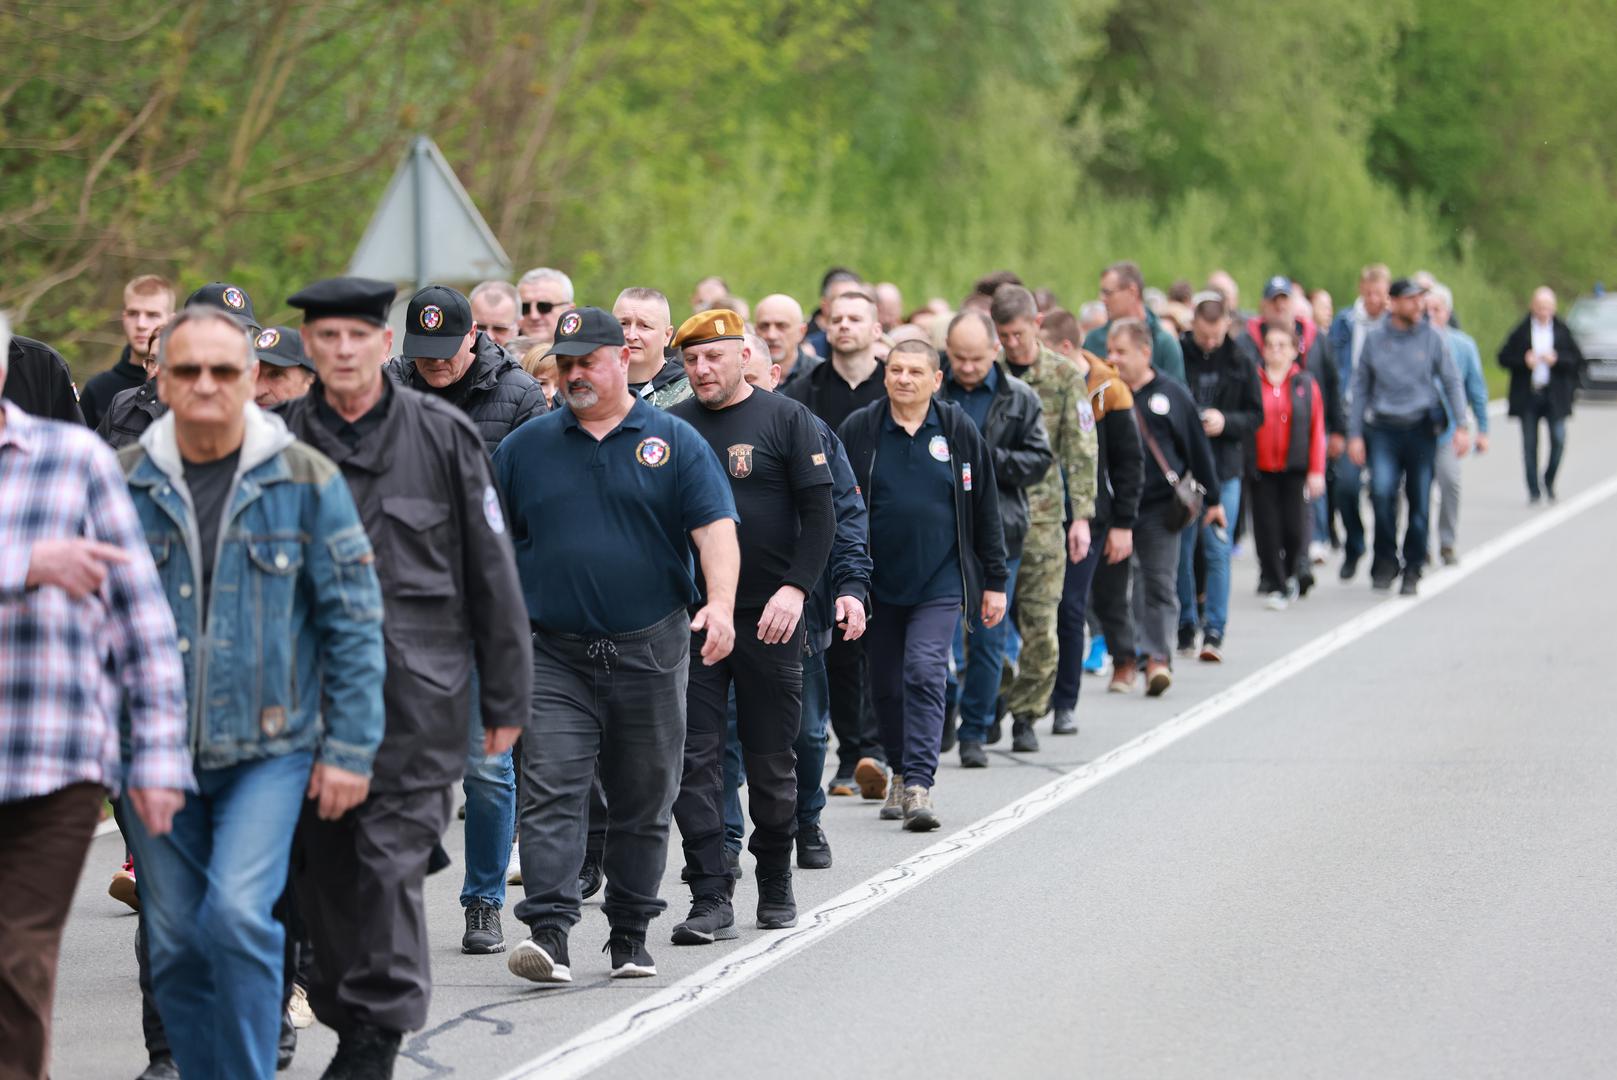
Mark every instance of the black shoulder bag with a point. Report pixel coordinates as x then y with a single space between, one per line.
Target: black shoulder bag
1188 495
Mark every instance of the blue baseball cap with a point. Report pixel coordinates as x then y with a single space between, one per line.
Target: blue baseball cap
1279 285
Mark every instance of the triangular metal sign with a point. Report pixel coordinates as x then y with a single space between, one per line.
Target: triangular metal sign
426 228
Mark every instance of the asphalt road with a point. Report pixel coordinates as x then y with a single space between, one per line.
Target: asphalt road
1398 861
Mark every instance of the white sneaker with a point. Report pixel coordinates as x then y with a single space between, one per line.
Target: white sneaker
297 1009
513 869
1275 601
1317 551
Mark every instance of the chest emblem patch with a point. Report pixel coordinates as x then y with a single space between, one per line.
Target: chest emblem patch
652 453
965 476
740 460
938 448
1159 404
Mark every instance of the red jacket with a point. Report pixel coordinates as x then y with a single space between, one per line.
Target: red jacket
1292 436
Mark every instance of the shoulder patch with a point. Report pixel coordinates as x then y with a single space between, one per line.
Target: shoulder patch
491 510
1086 415
308 465
129 457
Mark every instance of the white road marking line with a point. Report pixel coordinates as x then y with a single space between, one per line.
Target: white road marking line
593 1048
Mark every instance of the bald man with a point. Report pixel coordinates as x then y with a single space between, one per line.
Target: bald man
1544 364
780 323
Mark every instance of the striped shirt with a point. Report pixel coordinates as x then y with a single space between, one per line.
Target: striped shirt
66 666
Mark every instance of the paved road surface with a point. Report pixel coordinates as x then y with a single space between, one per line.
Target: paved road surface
1401 861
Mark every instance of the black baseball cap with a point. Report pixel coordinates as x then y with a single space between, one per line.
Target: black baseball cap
281 346
230 299
583 330
346 298
1406 287
436 323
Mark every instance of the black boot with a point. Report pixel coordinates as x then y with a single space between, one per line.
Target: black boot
364 1053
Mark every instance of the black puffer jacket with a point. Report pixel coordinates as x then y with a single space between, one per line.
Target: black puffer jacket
496 395
130 413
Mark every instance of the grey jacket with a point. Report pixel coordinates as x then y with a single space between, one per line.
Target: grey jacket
1396 381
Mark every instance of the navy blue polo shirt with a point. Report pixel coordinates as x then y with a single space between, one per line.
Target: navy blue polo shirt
976 401
601 528
913 541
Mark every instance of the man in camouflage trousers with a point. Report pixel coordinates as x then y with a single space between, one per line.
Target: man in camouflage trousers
1066 493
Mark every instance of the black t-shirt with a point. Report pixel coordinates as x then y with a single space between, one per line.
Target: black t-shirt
770 450
210 487
840 400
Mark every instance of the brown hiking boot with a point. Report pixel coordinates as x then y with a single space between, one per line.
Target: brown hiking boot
871 776
1123 673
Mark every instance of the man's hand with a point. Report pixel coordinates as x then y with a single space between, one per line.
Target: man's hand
1213 423
1356 452
1078 541
993 608
76 566
1550 357
1316 486
779 621
1462 442
337 790
1482 442
156 807
1119 544
850 616
719 625
1334 445
1215 516
497 740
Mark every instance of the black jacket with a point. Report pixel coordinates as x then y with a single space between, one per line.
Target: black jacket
1563 388
1225 379
1120 471
847 572
96 397
495 393
37 379
1164 406
1020 448
129 414
810 389
423 485
978 531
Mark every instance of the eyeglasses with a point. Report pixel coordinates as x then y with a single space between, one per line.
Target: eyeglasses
542 307
493 328
222 373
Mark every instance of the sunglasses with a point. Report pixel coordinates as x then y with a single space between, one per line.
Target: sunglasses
542 307
222 373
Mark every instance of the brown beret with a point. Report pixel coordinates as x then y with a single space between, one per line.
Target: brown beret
717 324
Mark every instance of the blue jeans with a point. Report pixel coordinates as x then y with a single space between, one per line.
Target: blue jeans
1346 496
207 892
491 812
1406 455
979 687
1215 541
811 746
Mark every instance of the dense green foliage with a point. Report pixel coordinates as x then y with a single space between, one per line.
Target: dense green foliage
924 142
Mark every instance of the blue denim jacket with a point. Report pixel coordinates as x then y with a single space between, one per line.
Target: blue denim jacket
288 656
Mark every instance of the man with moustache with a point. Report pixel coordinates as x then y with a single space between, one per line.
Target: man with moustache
638 489
781 482
451 599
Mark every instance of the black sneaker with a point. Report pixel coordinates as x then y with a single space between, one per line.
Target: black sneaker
543 957
973 756
711 919
1350 567
1305 582
1187 640
589 877
813 849
1411 585
1381 579
777 908
1024 740
1065 722
630 960
484 934
364 1053
286 1047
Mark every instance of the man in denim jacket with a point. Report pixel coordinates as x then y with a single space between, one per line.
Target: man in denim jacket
271 580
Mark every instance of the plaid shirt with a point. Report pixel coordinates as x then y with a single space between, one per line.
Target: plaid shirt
66 665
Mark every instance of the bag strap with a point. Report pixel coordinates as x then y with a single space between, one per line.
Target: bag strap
1156 451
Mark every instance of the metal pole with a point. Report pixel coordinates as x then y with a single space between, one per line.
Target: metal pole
418 174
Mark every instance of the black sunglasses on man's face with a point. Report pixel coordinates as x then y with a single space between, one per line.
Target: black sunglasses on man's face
542 307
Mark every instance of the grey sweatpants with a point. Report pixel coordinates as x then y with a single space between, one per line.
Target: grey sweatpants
1447 474
1155 566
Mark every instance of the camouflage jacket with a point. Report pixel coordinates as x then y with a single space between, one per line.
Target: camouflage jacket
1071 425
668 387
